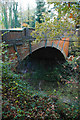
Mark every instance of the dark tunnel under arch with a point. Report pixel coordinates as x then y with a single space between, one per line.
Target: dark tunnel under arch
49 56
48 53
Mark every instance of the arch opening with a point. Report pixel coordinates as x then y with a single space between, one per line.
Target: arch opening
47 53
45 57
43 66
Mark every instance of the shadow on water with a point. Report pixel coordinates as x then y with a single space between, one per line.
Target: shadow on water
42 68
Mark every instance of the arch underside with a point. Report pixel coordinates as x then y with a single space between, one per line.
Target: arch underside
54 50
47 52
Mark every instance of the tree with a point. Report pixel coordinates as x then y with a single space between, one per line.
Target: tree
28 15
32 21
10 15
62 23
15 11
4 15
39 10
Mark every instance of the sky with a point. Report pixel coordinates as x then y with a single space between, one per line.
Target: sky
24 3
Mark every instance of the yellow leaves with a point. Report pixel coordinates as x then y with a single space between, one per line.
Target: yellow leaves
18 95
25 102
11 91
16 83
14 88
58 83
36 24
50 28
47 19
50 25
54 90
15 53
31 34
16 101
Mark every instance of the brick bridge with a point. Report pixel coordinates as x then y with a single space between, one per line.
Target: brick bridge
20 44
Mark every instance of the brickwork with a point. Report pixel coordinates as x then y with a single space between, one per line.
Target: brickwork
17 52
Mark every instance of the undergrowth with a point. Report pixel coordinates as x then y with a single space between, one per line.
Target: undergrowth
22 102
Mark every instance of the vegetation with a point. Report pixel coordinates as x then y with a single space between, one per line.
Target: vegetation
39 10
10 21
32 96
12 16
21 101
61 23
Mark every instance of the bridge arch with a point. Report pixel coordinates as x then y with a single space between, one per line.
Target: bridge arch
49 56
48 53
55 49
22 43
